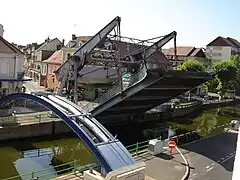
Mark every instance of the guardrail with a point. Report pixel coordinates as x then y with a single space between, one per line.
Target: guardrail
141 147
27 119
116 89
73 167
135 149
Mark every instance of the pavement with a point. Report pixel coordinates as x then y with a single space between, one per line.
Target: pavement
161 167
212 158
32 86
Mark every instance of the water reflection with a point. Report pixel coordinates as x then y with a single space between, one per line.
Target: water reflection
21 157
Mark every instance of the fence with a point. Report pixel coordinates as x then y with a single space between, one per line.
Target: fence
141 147
135 149
45 174
30 118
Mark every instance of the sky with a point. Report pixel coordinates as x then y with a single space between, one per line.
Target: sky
197 22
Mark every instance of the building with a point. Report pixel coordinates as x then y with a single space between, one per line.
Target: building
77 41
221 49
185 53
38 54
50 65
11 67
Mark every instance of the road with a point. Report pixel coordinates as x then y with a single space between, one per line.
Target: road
212 158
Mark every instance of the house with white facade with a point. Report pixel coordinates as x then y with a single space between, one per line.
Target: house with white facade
221 49
11 67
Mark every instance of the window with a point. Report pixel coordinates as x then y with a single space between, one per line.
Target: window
216 54
5 68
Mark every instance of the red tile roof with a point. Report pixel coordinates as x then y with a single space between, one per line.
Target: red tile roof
6 47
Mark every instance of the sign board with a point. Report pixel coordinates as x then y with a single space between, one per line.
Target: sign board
171 144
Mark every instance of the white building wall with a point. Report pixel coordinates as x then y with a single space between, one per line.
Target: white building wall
7 65
218 53
10 65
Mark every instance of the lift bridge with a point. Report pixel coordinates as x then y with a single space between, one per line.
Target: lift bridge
151 83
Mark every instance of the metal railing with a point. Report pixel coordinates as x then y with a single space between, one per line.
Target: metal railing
27 119
141 147
135 149
72 167
116 89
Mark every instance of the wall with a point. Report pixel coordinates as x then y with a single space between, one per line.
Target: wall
33 130
218 53
7 70
51 46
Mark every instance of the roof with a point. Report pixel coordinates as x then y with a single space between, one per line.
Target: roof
45 43
55 58
6 47
83 38
182 51
234 41
221 41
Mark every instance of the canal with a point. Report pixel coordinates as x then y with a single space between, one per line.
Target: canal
34 155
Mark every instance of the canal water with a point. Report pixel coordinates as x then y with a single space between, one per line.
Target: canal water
40 156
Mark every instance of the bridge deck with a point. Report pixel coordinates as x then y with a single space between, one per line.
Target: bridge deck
158 87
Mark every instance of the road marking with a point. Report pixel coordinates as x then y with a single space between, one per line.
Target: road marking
210 169
207 167
212 164
195 174
227 159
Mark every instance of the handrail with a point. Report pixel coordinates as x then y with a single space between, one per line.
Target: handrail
116 89
74 167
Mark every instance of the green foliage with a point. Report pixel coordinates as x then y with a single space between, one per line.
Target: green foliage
236 60
212 85
225 71
191 65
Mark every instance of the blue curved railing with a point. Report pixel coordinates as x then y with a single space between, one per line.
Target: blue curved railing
111 155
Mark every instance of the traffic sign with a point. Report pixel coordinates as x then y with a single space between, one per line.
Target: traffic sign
171 144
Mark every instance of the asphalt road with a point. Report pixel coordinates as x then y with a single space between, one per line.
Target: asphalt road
212 158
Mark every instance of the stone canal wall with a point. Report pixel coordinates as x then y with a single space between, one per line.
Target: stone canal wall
34 130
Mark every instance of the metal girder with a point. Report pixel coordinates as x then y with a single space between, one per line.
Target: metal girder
167 88
143 98
79 57
128 107
149 51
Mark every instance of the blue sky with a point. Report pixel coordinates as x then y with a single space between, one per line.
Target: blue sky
196 22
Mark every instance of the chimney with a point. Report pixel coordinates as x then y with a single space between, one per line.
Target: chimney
63 43
74 37
47 40
1 30
59 47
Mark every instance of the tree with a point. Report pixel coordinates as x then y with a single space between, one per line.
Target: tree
226 73
212 85
191 65
236 60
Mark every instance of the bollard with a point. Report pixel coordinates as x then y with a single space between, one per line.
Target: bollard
137 148
32 174
75 165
